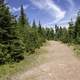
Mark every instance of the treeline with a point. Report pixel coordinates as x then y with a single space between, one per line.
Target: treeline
18 37
71 34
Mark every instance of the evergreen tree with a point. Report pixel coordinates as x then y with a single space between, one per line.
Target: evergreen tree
71 31
41 33
34 26
8 39
23 21
49 33
56 32
60 33
40 28
65 38
77 29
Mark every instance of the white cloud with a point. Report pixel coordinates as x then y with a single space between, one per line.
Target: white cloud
49 6
14 9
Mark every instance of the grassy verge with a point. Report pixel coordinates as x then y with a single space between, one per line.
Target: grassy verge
8 70
77 50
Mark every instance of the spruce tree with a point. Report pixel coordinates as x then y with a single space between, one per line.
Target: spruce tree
22 25
52 34
56 32
34 26
65 38
77 28
71 31
9 42
40 28
22 18
60 33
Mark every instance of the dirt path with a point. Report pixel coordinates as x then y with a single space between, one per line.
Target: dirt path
59 64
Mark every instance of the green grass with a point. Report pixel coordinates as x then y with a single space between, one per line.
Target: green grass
9 70
77 50
12 69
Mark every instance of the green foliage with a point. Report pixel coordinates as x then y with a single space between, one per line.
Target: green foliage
49 33
71 31
57 33
30 36
77 29
18 36
23 20
34 26
65 37
9 51
70 35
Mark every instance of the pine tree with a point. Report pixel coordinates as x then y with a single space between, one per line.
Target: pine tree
22 25
77 29
47 33
34 26
56 32
22 17
9 42
71 31
65 37
40 28
60 33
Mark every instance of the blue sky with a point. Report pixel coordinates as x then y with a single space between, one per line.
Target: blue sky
49 12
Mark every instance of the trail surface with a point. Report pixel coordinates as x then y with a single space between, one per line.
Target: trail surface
58 63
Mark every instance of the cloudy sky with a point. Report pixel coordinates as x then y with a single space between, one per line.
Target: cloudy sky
49 12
